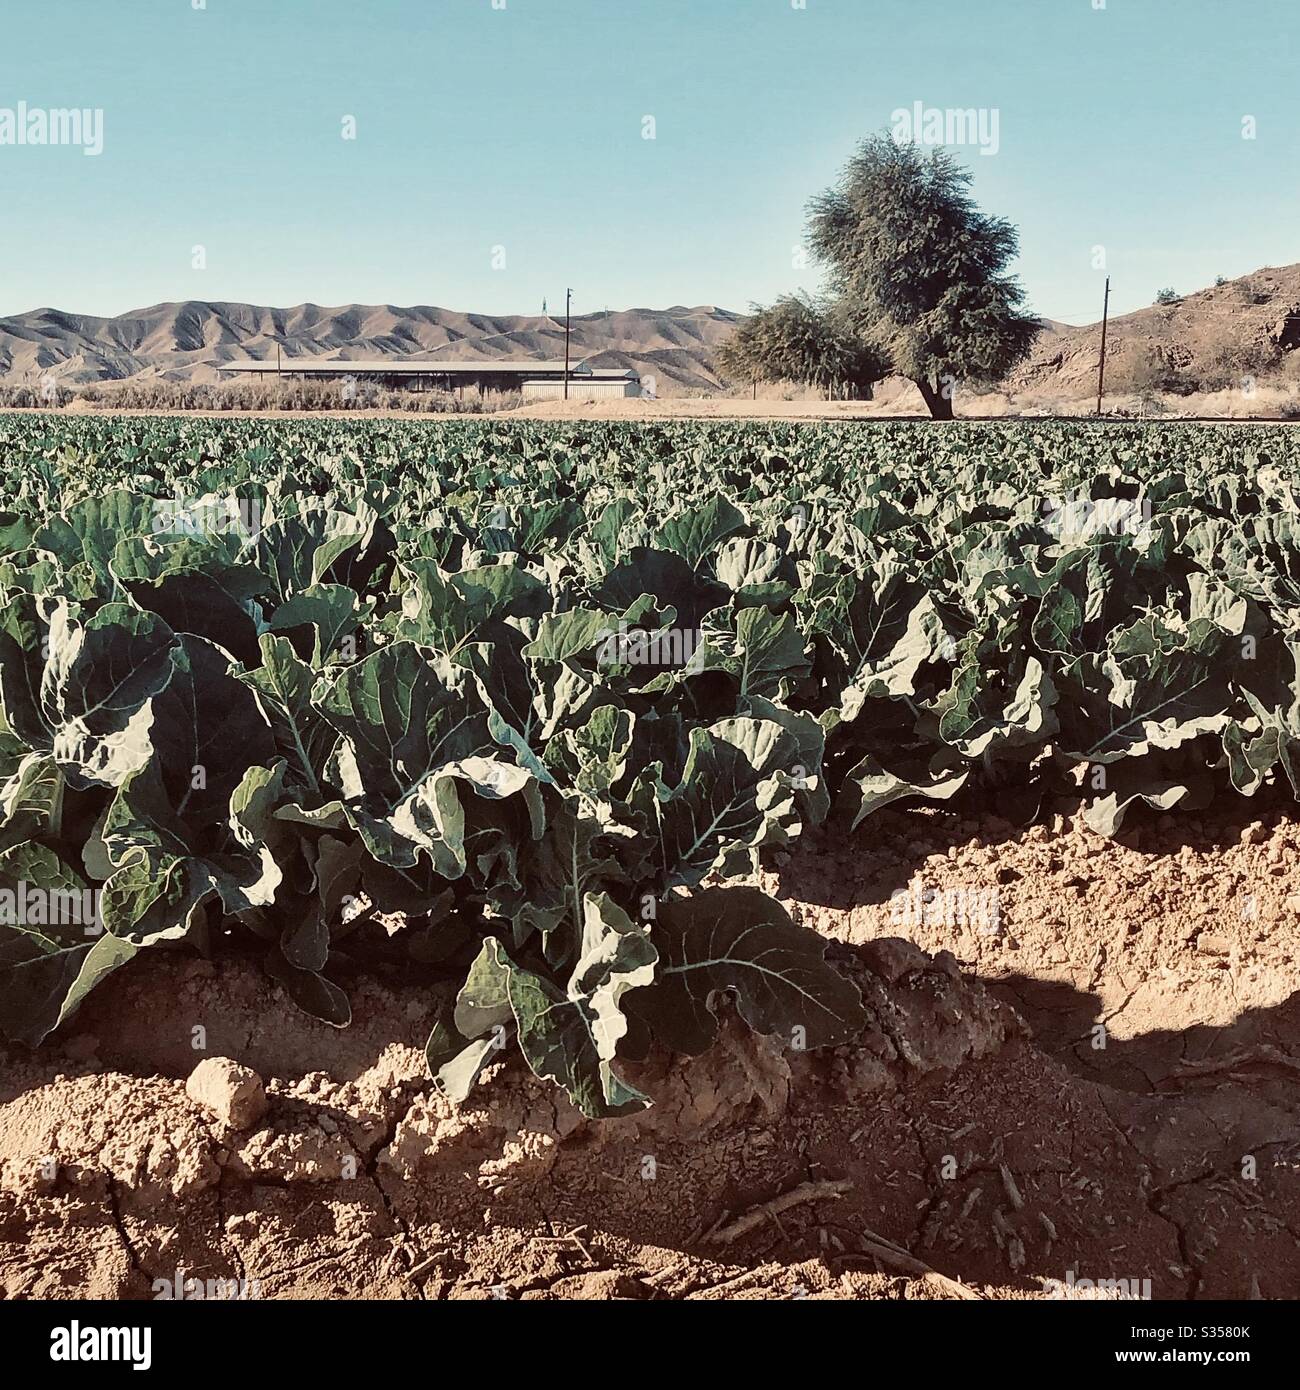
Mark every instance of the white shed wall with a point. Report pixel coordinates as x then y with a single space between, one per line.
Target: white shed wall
580 390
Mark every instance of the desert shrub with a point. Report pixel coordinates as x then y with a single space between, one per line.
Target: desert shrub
291 394
1137 371
1229 363
23 396
1254 292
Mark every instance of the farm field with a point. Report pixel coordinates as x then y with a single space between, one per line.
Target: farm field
665 860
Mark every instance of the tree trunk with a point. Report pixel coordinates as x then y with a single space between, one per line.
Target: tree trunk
940 405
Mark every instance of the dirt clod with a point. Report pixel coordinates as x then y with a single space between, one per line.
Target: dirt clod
233 1093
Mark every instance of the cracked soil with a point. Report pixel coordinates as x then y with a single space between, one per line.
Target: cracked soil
1098 1080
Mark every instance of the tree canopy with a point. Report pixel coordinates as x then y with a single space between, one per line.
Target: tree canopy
795 339
917 279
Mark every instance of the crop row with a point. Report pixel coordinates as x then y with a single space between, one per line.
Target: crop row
514 709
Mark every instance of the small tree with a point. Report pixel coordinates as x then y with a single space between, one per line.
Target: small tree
918 272
794 339
1167 296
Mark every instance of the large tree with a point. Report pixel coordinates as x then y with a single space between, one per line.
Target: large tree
797 340
918 273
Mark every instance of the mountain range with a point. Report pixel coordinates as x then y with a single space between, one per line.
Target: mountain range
1244 325
189 341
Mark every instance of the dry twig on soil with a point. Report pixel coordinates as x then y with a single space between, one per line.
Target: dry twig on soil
755 1216
885 1252
1263 1054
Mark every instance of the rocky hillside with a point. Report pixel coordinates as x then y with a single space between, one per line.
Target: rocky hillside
1206 341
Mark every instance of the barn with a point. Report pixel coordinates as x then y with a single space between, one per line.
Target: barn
537 378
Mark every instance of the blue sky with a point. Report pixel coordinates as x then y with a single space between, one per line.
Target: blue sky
521 128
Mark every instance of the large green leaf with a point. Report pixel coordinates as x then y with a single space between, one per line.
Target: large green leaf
1157 687
568 1035
98 688
403 711
878 629
739 940
43 979
736 794
207 730
283 684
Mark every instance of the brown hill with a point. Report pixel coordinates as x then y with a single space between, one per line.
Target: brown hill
1207 340
189 341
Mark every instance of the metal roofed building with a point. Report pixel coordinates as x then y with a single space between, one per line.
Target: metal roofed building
532 377
584 387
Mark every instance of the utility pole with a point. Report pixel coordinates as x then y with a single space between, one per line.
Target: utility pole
1101 365
568 296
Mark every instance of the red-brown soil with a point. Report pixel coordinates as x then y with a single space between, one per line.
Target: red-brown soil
976 1139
